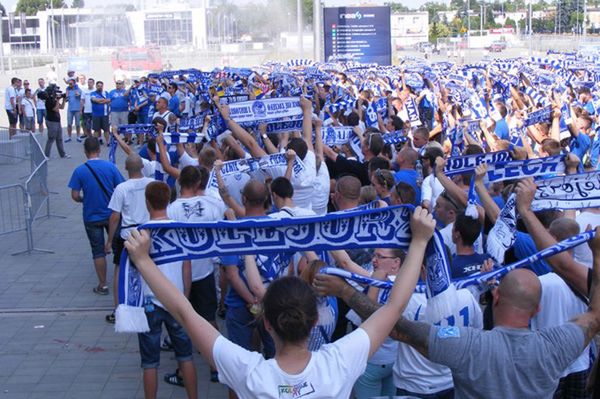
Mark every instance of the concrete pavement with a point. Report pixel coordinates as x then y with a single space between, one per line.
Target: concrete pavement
54 341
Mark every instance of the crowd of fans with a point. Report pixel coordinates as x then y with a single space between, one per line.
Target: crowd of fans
530 337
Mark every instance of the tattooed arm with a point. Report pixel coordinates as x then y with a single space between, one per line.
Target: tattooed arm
415 334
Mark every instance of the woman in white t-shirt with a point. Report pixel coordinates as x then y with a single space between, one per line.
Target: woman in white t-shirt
290 312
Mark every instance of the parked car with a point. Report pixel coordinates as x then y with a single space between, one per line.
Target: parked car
495 47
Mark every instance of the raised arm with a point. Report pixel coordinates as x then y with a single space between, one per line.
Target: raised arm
342 260
240 133
489 206
164 158
269 146
416 334
121 143
238 209
307 127
201 332
379 325
590 320
563 263
253 276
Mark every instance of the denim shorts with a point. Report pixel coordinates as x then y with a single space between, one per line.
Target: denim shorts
41 115
12 118
95 233
150 341
73 116
87 120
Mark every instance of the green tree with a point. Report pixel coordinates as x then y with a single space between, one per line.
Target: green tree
397 7
2 10
78 4
31 7
437 30
433 8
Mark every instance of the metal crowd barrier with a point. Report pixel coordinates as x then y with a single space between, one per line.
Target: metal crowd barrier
22 203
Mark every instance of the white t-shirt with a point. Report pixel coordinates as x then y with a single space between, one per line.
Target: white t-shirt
39 103
28 107
303 183
412 371
9 93
154 169
172 271
289 212
129 199
194 210
235 182
558 305
583 253
431 190
446 233
87 100
330 372
322 187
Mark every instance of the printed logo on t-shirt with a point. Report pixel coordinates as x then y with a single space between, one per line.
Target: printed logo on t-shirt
448 332
295 391
195 209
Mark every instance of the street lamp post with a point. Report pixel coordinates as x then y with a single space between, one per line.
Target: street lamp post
300 38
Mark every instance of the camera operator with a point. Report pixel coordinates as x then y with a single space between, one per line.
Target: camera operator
55 101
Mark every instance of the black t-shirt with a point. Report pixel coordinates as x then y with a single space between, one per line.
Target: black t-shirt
51 115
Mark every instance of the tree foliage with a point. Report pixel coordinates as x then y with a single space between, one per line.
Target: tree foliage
31 7
78 4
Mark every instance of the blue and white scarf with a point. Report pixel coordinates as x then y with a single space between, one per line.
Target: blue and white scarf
578 191
171 242
478 282
503 235
468 163
271 108
528 168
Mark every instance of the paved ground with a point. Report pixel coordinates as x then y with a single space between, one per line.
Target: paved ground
54 342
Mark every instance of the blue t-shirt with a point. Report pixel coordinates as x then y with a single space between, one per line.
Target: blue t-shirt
270 267
74 99
119 102
99 109
465 265
409 176
174 105
595 151
589 107
580 144
95 201
524 247
502 130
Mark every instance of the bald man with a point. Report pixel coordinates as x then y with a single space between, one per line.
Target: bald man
346 193
240 300
127 205
510 361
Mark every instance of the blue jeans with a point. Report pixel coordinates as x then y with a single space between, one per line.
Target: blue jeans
240 328
73 116
377 380
95 233
150 342
447 394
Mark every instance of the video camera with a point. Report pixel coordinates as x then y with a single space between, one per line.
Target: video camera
52 91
